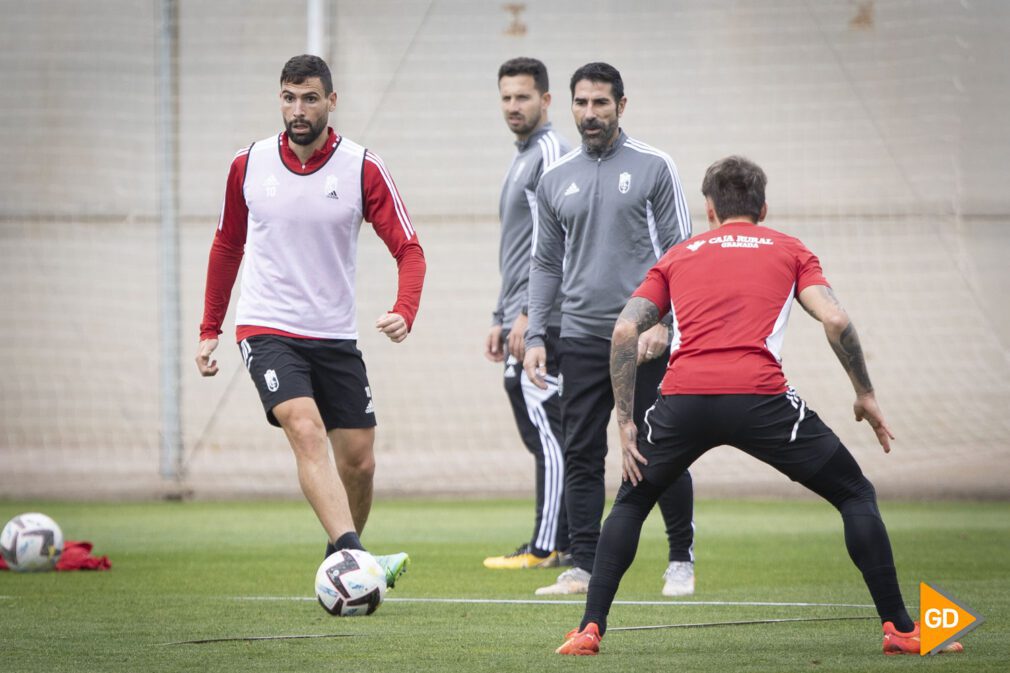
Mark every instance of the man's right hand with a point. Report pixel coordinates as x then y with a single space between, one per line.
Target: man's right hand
866 408
535 365
206 366
493 350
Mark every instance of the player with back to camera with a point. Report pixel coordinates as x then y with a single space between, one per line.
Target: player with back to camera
606 212
525 99
293 207
730 291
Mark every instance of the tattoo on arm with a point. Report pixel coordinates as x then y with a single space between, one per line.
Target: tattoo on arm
850 354
623 368
830 295
643 314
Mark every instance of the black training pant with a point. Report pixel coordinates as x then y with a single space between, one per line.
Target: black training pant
779 430
586 402
538 418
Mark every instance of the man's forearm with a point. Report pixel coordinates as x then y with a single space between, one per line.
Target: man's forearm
638 316
850 353
623 368
543 290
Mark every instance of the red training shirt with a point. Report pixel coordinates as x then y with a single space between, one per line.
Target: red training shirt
730 291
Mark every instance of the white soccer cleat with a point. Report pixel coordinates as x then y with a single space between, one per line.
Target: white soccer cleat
571 581
679 579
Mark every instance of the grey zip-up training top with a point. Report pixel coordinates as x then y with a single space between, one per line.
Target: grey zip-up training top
603 221
517 210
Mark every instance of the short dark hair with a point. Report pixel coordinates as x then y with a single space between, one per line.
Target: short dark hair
300 68
737 188
600 72
523 65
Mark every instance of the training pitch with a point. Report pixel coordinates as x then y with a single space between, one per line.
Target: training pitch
228 587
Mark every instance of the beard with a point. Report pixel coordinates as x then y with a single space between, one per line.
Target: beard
305 137
600 141
521 126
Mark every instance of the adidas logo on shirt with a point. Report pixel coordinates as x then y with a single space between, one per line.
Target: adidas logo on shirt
572 189
331 187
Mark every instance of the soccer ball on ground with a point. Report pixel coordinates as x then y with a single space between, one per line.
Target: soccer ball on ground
31 542
350 583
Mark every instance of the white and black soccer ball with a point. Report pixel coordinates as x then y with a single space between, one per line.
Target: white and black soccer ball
350 583
31 542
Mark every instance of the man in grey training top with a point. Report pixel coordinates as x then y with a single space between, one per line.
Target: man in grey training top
606 213
524 96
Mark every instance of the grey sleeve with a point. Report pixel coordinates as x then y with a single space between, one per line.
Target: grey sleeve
673 220
548 253
498 317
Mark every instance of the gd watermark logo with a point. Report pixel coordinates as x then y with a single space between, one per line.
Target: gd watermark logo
943 619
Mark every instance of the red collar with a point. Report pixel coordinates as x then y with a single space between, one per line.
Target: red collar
318 158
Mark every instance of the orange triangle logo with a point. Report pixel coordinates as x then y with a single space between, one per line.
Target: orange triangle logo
943 621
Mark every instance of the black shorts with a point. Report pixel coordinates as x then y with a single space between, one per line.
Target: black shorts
330 371
779 430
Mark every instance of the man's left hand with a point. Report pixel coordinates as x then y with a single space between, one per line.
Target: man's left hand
517 341
653 342
631 458
392 325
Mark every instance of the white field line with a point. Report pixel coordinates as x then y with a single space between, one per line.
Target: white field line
531 601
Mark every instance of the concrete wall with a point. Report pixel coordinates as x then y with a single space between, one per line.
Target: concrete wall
899 112
884 139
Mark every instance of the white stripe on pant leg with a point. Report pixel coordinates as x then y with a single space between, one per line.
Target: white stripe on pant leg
796 425
648 435
545 534
553 478
246 352
554 471
553 483
690 550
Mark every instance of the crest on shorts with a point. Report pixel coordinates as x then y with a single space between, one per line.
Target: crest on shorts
273 383
624 183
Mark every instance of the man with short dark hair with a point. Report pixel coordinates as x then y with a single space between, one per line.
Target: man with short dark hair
606 212
293 208
730 291
525 99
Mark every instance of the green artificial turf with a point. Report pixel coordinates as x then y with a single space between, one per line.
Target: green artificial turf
188 571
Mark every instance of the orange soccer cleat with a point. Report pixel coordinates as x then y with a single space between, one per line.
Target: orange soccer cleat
897 642
581 643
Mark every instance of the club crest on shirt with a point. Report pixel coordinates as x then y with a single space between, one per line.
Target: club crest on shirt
270 185
624 183
330 190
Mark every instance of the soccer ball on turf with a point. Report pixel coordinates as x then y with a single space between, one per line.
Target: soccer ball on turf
350 583
31 542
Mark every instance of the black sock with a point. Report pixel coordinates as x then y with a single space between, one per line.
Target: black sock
883 585
348 540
